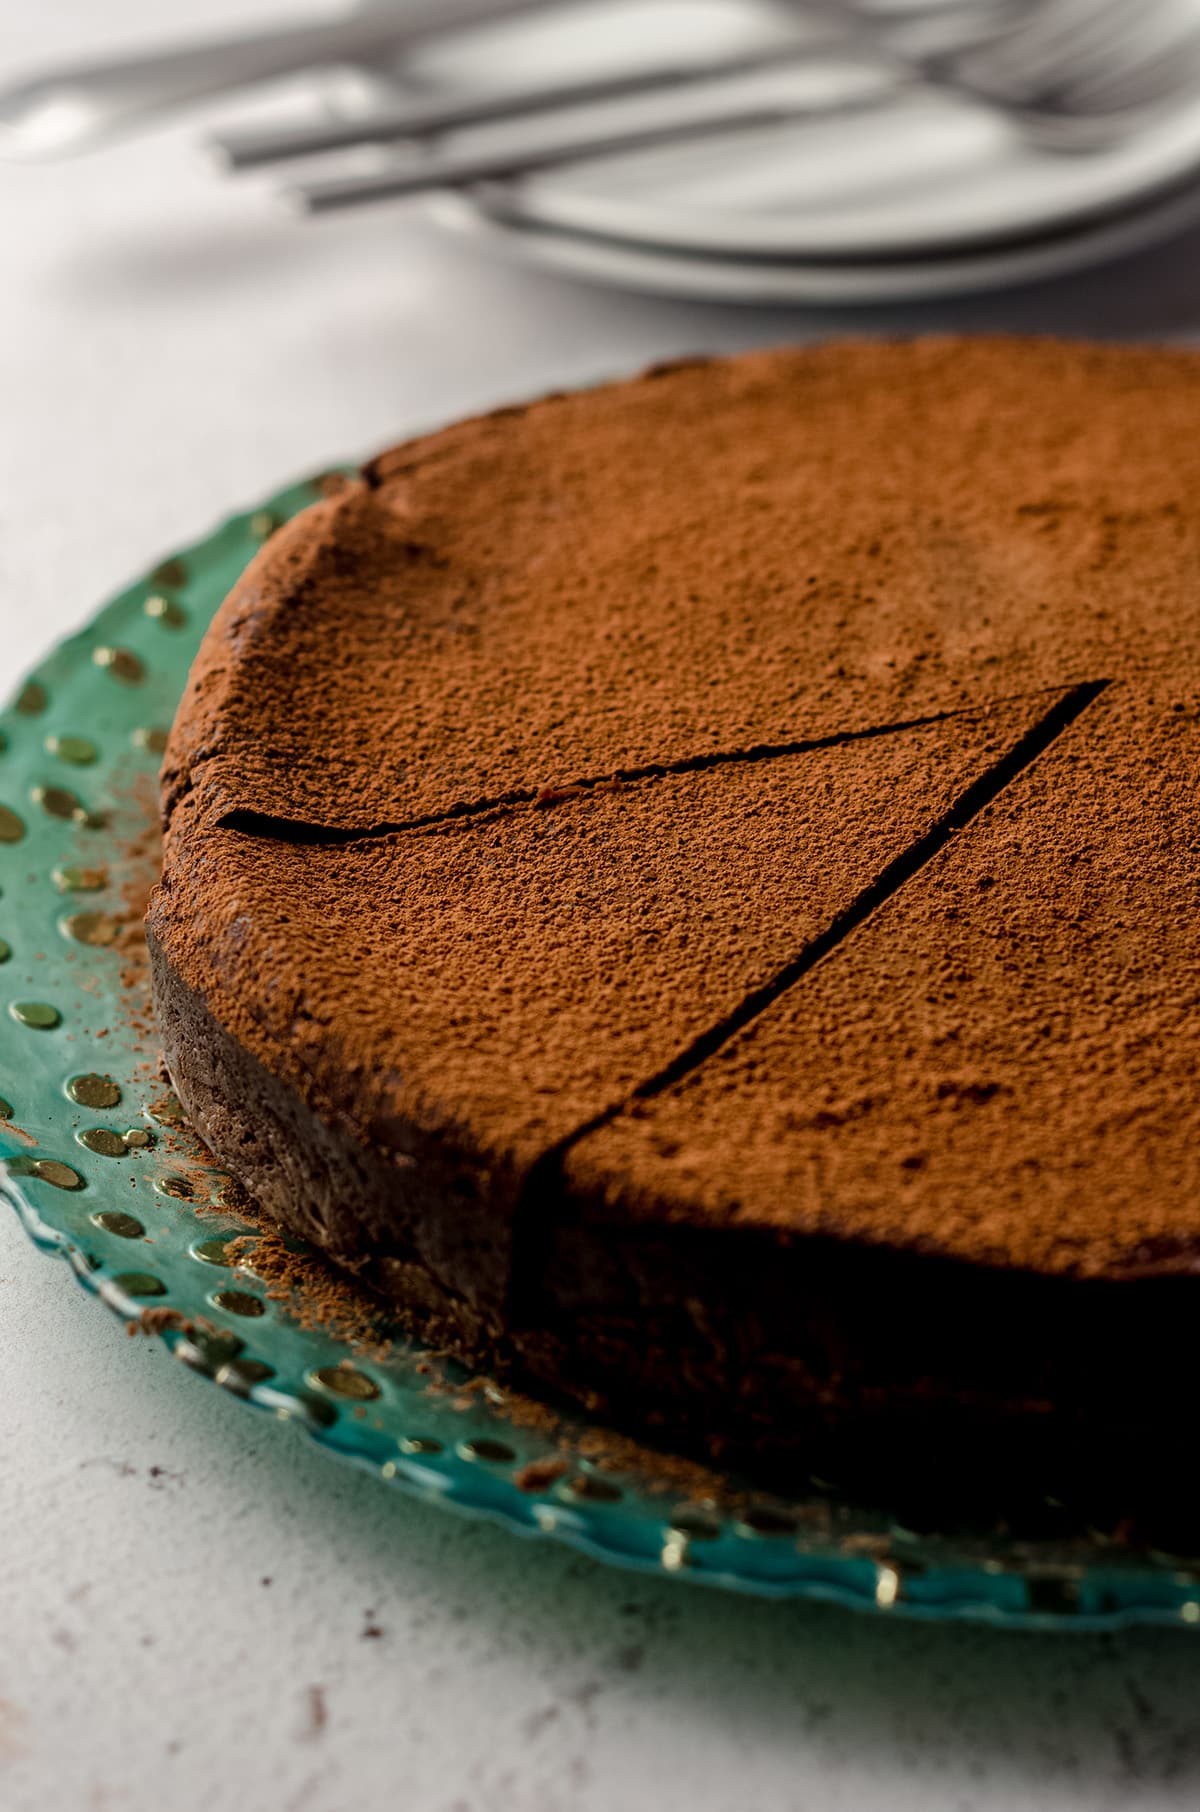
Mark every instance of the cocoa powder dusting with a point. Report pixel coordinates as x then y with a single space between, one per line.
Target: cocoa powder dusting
314 1294
887 934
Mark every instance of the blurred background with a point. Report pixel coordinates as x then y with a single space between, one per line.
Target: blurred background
181 330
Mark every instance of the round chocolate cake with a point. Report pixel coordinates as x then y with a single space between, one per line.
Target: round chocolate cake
691 889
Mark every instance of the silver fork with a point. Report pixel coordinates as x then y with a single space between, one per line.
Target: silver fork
1081 73
1076 75
876 36
74 107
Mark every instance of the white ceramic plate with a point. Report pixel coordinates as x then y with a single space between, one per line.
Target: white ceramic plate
922 174
628 265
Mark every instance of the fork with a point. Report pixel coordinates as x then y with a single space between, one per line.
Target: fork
75 107
873 35
1080 73
1074 75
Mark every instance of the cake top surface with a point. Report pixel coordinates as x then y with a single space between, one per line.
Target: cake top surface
767 784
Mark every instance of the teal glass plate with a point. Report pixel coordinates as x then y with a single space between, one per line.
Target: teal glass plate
90 1159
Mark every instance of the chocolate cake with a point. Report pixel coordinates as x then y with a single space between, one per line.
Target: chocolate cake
691 889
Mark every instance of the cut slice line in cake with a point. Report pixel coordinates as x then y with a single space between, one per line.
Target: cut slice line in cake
539 967
844 1092
316 830
1037 988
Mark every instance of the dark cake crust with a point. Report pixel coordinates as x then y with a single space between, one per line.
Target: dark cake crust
945 1387
728 953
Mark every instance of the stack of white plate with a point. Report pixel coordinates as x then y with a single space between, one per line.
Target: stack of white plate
908 192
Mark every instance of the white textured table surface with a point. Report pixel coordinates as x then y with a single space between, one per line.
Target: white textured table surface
183 1584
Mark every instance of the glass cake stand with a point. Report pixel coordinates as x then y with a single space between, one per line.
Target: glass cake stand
96 1163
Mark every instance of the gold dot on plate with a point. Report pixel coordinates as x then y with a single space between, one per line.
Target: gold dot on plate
31 699
56 801
91 1090
60 1175
1189 1610
125 1226
165 610
76 749
206 1347
122 663
241 1374
420 1444
263 524
6 1109
239 1302
494 1453
148 737
103 1141
346 1381
73 879
95 928
171 573
139 1283
212 1251
177 1187
35 1013
588 1485
12 828
136 1138
5 950
166 1110
59 802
